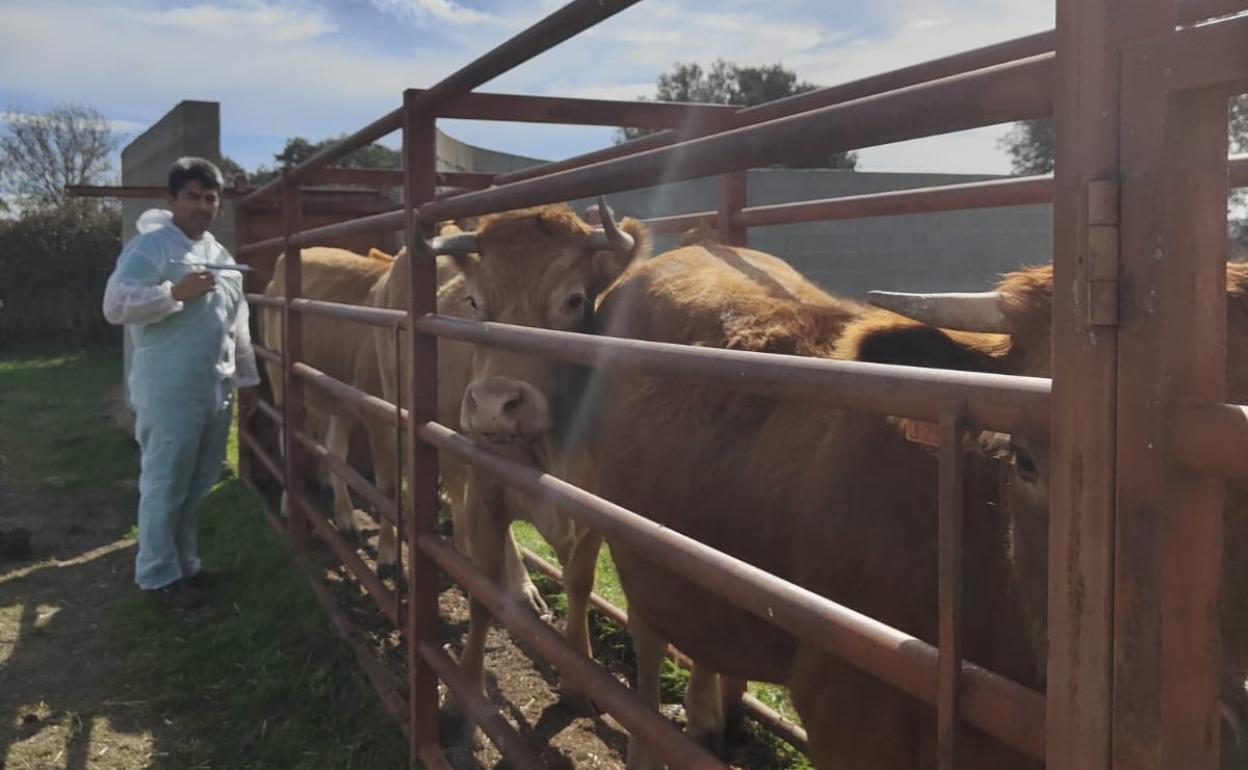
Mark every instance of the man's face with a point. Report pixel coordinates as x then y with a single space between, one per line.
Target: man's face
195 207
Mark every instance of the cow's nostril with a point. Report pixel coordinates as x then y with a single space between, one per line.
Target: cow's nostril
513 403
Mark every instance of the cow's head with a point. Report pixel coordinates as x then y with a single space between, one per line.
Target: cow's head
1005 331
542 267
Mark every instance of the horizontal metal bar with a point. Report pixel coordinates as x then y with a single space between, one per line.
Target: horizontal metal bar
388 123
972 195
1211 438
658 733
1010 50
129 191
586 112
1198 10
1239 170
517 751
679 223
924 200
1209 55
1000 707
386 221
385 684
261 247
384 506
1013 91
265 354
271 412
760 712
378 177
253 444
573 18
385 600
996 402
264 300
364 314
378 408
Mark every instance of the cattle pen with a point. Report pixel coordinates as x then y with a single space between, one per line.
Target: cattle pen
1136 402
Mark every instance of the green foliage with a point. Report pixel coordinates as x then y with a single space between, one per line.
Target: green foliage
298 149
54 263
727 83
1032 145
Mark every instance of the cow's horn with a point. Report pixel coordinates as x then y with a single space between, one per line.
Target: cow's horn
610 237
968 312
456 243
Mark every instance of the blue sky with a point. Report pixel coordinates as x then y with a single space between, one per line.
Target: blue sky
317 68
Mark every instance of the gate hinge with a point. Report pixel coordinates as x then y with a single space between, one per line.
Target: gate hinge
1102 256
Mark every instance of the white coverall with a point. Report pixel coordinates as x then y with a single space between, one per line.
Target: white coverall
188 357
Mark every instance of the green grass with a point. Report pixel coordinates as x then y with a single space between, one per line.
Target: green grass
673 678
259 681
56 420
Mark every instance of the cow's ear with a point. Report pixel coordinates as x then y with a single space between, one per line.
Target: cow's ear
905 343
608 265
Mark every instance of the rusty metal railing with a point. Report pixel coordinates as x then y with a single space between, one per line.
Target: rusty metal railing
1016 80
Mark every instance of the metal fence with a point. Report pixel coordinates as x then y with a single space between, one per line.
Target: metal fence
1136 400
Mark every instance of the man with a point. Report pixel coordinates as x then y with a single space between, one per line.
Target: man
188 320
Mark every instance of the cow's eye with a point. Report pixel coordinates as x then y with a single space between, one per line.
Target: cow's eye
1025 464
574 303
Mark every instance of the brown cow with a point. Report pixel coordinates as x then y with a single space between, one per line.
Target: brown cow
349 353
1021 308
837 502
541 267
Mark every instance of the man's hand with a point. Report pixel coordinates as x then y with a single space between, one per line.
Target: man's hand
193 286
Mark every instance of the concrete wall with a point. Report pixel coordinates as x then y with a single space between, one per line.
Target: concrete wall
960 250
190 128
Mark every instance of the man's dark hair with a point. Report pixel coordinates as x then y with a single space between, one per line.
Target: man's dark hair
192 169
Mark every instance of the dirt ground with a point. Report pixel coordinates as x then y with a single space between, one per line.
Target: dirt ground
59 707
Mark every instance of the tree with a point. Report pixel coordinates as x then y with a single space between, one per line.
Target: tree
41 154
1032 144
726 83
298 149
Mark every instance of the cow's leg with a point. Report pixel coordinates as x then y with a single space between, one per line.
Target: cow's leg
704 709
381 446
516 581
486 518
578 580
650 649
338 442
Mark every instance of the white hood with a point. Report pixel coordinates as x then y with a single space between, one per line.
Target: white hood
152 220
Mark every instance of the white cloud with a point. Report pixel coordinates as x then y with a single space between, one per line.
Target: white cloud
437 10
278 79
258 21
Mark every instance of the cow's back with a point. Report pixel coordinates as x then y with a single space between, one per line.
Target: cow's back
333 346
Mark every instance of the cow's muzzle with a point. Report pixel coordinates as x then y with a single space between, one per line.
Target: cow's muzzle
504 411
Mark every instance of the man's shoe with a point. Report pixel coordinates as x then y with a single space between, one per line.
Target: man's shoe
177 596
207 579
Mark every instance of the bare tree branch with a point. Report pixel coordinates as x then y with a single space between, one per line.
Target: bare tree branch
42 154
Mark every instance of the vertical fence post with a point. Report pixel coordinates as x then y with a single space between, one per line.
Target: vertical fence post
1173 350
950 583
292 351
733 196
419 158
1080 693
245 398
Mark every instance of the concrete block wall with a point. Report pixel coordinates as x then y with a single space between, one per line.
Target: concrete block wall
957 250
